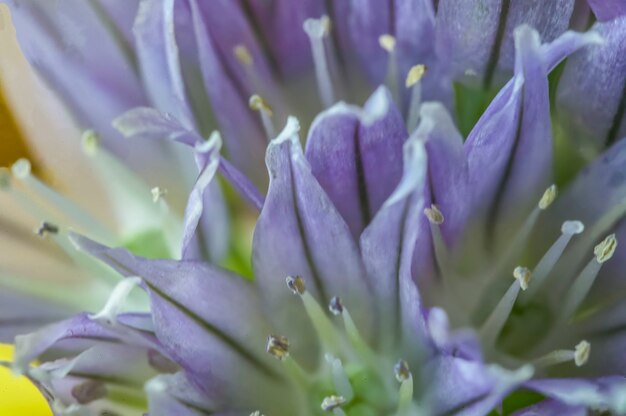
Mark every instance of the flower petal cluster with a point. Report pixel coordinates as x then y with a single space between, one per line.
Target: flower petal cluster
399 268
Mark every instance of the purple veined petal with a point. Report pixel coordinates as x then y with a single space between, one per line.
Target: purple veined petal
21 314
607 9
359 24
207 159
290 53
461 343
29 347
462 387
175 395
152 124
208 320
514 133
388 244
76 49
550 408
470 32
356 156
604 393
447 168
205 205
243 135
159 59
299 232
549 19
592 106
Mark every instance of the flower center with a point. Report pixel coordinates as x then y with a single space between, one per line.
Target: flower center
352 379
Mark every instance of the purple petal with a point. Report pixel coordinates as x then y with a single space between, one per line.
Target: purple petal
465 388
159 61
550 408
207 319
152 124
77 51
207 159
275 19
468 32
175 395
243 135
21 314
604 393
514 133
356 155
388 243
447 168
29 347
299 232
591 90
607 9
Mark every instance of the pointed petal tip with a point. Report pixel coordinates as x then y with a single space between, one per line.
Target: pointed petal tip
289 132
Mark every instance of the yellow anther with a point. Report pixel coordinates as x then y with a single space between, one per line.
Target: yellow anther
387 42
277 347
332 402
548 197
90 141
604 250
158 193
296 284
258 103
243 55
581 353
523 275
415 75
434 215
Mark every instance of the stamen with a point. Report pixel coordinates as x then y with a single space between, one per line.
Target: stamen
547 262
434 215
548 197
581 286
243 55
47 228
257 413
158 194
523 275
521 237
257 103
91 142
125 185
401 371
335 306
21 170
296 284
436 218
498 317
388 43
581 353
340 377
278 347
405 395
326 331
413 79
332 402
579 356
318 30
604 251
116 300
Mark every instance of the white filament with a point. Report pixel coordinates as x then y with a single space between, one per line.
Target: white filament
317 31
547 262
